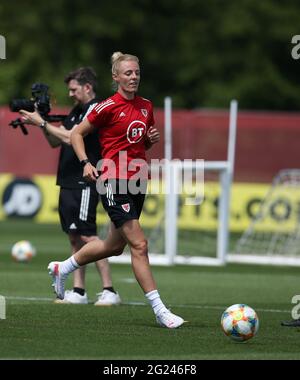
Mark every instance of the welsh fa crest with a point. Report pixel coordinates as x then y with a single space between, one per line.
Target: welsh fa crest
126 207
144 112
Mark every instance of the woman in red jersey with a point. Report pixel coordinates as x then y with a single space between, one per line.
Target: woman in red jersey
125 129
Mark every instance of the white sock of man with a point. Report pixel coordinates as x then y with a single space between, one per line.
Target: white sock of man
155 301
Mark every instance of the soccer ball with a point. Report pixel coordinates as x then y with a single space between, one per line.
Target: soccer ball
23 251
240 322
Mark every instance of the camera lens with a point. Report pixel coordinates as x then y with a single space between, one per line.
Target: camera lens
21 104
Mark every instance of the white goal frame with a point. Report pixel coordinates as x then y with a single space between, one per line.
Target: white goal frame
225 170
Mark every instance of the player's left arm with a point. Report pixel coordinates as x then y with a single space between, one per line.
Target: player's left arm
152 134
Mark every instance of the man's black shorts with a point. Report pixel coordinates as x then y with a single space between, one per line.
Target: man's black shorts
122 206
77 210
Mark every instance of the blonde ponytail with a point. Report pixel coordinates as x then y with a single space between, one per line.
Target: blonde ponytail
118 57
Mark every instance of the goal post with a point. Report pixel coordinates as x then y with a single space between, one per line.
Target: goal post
225 170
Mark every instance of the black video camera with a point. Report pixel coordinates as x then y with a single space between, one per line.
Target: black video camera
40 102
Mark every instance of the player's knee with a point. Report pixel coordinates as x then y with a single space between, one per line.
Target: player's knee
140 247
118 250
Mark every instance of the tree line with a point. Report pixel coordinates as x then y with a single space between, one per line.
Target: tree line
202 53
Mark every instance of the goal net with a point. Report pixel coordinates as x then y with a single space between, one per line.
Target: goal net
273 236
184 234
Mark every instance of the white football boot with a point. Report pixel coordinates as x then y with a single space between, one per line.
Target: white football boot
72 297
168 319
107 298
58 279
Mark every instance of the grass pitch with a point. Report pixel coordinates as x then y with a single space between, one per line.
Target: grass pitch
35 328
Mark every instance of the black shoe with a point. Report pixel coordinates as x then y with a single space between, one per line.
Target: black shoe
292 323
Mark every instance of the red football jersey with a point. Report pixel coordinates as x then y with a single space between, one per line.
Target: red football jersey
123 125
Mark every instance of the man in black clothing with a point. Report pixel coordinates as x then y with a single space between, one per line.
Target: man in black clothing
77 199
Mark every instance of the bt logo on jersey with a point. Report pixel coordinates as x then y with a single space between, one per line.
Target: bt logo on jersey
136 131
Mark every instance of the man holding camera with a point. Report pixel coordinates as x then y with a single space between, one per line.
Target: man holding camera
77 199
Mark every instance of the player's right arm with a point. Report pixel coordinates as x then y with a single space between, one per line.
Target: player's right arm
85 127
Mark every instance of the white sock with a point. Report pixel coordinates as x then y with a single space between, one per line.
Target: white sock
155 301
68 266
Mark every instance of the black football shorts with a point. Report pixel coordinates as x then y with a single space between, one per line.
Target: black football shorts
77 210
122 206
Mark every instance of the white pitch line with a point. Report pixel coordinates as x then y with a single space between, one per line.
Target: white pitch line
37 299
138 303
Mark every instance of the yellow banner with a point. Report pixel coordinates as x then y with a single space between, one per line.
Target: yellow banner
37 198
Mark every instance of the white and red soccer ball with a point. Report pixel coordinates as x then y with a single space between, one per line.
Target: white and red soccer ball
23 251
240 322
